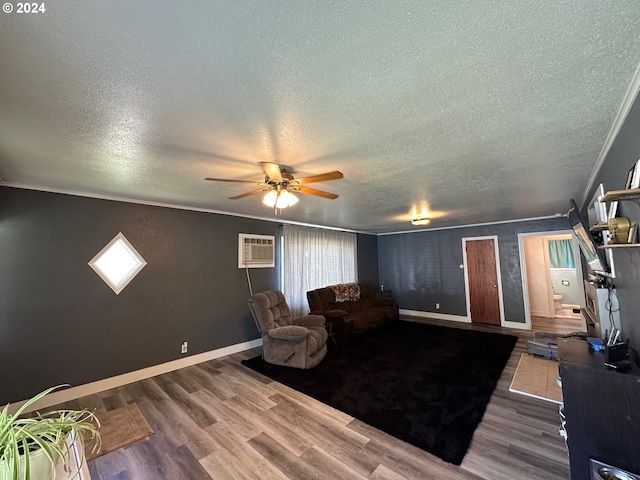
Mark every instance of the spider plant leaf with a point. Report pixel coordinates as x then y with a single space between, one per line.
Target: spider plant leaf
20 437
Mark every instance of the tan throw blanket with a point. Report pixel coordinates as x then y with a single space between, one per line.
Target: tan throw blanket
346 292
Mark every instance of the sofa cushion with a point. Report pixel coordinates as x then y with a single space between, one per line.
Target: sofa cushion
364 318
328 298
352 317
309 321
270 310
290 332
387 311
314 342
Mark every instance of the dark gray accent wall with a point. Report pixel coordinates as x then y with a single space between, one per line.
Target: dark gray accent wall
423 268
624 153
368 260
60 323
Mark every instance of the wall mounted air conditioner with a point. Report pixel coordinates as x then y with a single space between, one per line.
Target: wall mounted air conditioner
256 251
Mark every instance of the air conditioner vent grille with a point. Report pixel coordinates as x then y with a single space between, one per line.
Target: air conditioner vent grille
256 251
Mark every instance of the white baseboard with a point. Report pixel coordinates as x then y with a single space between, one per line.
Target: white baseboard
100 385
516 325
541 313
458 318
437 316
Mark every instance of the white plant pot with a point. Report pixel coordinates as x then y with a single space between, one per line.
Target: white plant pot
41 465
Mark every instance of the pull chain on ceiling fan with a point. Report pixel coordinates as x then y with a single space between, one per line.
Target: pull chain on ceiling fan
280 185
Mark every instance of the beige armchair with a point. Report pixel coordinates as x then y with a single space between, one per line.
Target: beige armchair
299 342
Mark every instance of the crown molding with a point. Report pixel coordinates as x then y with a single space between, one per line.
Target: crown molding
169 205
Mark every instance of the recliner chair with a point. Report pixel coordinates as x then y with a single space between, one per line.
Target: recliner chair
299 342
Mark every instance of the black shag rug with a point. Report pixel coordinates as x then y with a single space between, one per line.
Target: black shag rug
424 384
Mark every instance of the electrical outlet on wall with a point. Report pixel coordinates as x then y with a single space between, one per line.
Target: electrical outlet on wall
437 306
185 346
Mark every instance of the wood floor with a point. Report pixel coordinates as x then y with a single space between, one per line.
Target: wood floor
562 325
219 420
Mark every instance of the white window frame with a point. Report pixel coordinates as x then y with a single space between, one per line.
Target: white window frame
141 263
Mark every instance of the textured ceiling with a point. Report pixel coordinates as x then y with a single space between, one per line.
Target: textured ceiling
478 111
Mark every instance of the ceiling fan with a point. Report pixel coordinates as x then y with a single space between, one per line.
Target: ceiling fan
280 185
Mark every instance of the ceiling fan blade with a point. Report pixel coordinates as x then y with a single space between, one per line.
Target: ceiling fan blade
272 170
317 193
242 195
323 177
228 180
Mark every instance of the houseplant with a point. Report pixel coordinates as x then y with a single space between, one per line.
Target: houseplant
41 446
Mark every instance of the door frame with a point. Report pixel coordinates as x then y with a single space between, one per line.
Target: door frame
523 268
496 249
550 313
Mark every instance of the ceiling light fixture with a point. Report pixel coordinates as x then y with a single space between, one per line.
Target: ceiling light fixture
420 220
279 198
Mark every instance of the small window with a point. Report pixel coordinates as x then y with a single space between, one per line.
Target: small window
117 263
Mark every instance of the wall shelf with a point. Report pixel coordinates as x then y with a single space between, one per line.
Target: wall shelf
619 245
599 227
632 194
628 194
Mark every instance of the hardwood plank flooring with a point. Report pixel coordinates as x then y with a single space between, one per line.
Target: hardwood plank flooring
560 325
220 420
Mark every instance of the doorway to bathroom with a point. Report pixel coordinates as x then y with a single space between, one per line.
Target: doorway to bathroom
552 282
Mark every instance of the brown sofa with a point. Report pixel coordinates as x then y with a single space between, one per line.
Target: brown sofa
352 317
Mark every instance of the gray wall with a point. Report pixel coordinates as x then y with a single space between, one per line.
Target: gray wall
368 260
60 323
423 268
572 294
623 154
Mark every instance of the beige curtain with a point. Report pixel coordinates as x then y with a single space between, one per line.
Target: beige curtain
315 258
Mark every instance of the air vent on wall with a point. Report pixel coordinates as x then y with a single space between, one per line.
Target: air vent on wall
256 251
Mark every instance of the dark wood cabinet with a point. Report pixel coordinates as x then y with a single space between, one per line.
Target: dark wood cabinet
602 410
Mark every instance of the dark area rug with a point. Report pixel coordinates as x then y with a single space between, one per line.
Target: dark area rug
424 384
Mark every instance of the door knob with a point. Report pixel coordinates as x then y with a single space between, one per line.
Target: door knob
495 286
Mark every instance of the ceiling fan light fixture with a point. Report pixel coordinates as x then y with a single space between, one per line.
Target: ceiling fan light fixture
280 199
420 221
286 199
281 184
270 198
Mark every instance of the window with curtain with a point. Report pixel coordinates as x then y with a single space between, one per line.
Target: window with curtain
315 258
561 254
